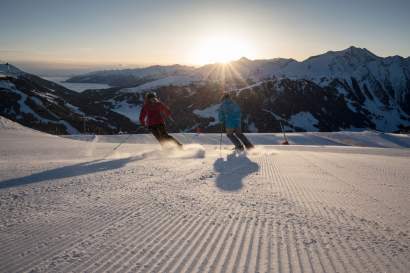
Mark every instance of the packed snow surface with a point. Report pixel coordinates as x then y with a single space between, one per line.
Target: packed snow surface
121 204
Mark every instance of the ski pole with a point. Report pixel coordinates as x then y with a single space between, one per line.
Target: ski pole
118 145
284 135
220 142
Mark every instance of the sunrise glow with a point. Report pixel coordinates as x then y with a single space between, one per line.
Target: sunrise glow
221 49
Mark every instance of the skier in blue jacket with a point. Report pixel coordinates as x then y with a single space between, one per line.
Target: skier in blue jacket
230 119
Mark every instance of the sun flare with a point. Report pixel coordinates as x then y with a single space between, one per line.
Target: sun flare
222 49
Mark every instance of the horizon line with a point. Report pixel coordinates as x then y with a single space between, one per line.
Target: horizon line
117 65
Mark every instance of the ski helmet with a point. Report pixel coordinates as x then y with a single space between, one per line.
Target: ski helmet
225 96
151 95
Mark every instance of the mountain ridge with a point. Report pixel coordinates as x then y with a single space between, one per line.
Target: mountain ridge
352 50
353 62
338 90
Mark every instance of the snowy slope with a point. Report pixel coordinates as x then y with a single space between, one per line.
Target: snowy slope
49 107
333 64
355 139
8 70
383 81
6 124
26 107
78 206
128 110
172 80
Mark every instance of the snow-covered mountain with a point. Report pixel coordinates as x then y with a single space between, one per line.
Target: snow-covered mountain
8 70
386 79
378 82
133 77
375 89
49 107
352 89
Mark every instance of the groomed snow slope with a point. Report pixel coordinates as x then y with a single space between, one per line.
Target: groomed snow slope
76 206
359 139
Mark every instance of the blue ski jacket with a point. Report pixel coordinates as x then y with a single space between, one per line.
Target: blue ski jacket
230 114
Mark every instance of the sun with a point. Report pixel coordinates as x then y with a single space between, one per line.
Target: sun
221 49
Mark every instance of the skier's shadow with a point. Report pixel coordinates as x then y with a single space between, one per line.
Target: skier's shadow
233 170
84 168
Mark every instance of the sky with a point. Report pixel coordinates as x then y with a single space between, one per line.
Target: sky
139 33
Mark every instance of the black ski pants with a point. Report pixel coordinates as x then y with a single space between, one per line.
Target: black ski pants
161 134
236 136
